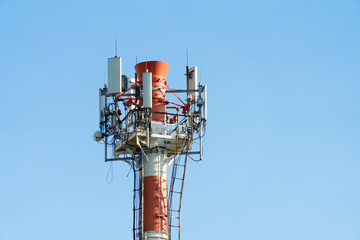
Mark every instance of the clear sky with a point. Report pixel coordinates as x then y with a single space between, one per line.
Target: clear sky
282 155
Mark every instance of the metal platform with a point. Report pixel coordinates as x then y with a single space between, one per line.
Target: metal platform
174 143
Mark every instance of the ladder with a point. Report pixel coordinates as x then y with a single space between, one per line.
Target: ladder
175 197
137 202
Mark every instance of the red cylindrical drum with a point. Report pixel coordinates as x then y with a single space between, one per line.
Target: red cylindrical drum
159 72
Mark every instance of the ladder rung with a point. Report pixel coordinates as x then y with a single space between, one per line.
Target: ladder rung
174 226
174 217
179 179
180 165
174 210
176 192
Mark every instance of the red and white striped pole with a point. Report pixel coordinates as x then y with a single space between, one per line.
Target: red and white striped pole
155 209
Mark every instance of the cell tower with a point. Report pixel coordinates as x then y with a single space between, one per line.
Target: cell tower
141 127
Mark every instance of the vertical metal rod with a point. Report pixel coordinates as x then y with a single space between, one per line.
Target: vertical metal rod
200 132
134 205
187 57
177 124
115 47
201 120
147 135
105 93
187 84
106 148
141 195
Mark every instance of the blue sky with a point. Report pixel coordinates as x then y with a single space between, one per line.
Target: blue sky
282 156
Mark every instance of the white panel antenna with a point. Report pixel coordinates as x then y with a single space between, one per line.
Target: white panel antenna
147 90
114 75
193 79
205 102
131 81
101 106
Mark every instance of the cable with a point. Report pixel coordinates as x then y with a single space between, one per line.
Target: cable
195 160
112 171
